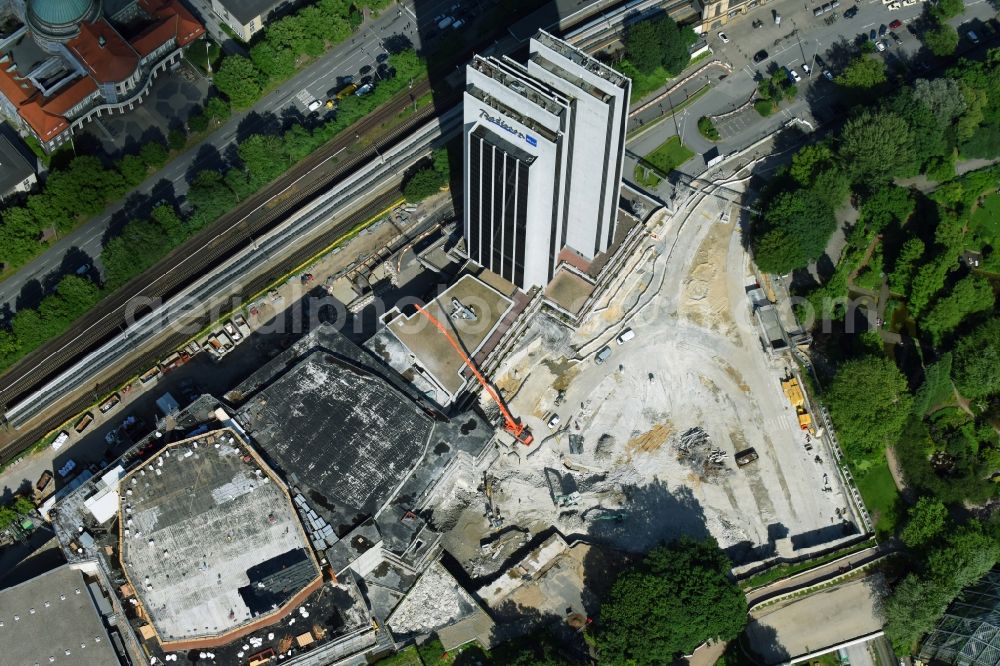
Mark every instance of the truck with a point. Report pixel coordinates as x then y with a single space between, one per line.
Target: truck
746 456
626 335
347 90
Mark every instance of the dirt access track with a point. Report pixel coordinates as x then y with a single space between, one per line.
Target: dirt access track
696 362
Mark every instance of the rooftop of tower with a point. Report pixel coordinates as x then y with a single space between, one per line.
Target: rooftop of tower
582 59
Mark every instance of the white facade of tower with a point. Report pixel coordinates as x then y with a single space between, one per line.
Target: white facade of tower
543 152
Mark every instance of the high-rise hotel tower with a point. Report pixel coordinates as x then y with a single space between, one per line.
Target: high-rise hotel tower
544 147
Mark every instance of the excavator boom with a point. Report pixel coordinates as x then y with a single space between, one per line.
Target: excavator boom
511 425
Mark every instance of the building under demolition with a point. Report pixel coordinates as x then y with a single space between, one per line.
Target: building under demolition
280 521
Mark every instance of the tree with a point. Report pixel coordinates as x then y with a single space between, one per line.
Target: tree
942 97
677 598
941 40
886 205
966 556
902 271
642 46
177 138
876 145
971 294
976 368
912 609
870 403
794 231
707 128
423 183
863 73
217 109
239 80
19 236
274 61
658 42
133 170
946 9
926 522
808 160
264 157
154 154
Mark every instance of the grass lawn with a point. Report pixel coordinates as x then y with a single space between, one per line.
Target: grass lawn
196 53
985 221
408 657
646 177
670 155
881 497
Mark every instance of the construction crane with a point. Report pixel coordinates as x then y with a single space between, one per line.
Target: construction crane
512 425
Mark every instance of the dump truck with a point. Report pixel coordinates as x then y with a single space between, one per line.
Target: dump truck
746 456
793 391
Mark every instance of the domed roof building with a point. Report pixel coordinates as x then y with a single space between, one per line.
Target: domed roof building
59 20
71 60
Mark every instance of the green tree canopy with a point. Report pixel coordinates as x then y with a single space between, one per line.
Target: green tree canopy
971 294
794 231
876 145
680 596
809 160
941 40
926 522
976 367
863 73
239 80
870 404
658 42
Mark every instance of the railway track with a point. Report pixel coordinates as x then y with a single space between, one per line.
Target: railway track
231 233
169 341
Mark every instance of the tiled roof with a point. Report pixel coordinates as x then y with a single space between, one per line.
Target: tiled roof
46 116
18 92
104 53
184 26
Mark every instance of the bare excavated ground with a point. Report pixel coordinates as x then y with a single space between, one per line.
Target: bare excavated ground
661 419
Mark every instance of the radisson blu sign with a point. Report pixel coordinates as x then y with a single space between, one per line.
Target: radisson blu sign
502 124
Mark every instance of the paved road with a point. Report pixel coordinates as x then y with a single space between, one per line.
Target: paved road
812 37
316 81
813 576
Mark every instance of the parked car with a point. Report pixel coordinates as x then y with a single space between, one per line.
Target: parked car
723 38
828 75
602 355
760 56
895 38
553 422
973 37
851 12
315 105
882 30
873 35
806 69
793 75
895 23
880 45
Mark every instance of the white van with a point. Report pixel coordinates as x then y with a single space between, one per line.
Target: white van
626 335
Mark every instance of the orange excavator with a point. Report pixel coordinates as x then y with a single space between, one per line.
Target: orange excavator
512 425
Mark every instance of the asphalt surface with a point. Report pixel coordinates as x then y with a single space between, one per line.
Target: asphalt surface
315 81
798 40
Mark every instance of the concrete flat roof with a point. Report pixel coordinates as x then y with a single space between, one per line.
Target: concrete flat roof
339 430
568 290
210 539
432 349
52 619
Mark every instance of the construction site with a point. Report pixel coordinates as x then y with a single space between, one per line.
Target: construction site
663 413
